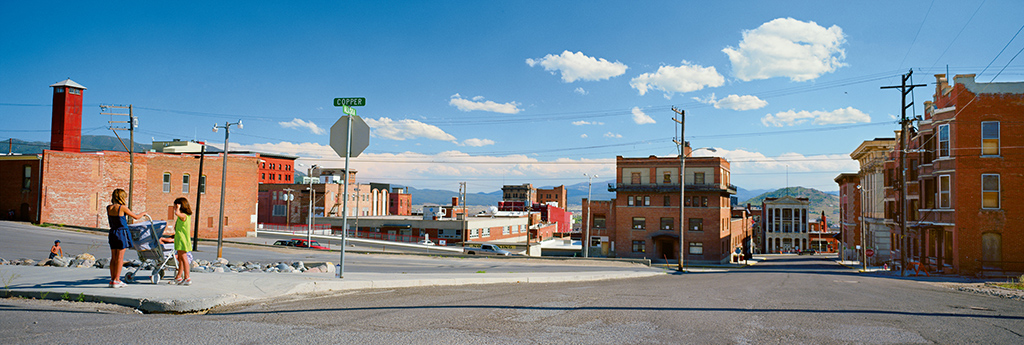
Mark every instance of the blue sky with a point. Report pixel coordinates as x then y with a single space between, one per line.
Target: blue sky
510 92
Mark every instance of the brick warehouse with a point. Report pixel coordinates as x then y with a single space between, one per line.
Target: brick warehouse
73 188
643 219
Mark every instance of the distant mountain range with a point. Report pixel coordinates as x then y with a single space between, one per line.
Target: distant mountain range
820 201
90 143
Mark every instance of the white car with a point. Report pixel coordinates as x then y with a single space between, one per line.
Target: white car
426 242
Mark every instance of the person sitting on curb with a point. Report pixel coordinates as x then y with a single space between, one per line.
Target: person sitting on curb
56 250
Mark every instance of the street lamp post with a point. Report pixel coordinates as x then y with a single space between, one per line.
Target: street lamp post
586 230
223 184
312 196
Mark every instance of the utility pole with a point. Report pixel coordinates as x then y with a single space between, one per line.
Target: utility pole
288 210
199 196
132 123
586 230
223 183
904 125
682 184
465 220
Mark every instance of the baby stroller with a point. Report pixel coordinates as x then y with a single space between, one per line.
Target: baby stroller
146 242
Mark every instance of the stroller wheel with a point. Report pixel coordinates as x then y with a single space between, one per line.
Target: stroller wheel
129 277
155 279
162 273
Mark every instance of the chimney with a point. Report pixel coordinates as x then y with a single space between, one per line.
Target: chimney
455 201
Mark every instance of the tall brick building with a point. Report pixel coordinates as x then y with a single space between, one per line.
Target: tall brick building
643 218
849 215
968 172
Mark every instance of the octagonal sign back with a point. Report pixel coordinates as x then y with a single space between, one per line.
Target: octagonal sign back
360 136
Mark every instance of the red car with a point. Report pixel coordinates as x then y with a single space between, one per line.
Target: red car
301 243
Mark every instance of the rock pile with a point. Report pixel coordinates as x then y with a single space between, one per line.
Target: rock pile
220 265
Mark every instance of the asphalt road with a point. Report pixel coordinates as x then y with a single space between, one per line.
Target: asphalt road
786 300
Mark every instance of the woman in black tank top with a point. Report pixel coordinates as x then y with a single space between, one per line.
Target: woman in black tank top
119 238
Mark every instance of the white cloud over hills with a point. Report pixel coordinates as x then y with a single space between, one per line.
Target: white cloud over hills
786 47
577 66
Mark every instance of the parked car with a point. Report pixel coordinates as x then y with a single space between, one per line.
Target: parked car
426 242
486 249
288 243
807 252
301 243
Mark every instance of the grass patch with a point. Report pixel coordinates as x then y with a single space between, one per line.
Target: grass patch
481 271
1018 285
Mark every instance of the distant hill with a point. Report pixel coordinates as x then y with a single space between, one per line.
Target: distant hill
90 143
444 197
820 201
745 194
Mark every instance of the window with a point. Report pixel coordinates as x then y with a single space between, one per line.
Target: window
184 183
990 138
696 224
704 201
59 90
74 91
667 178
506 230
279 210
666 223
668 201
639 246
599 222
26 177
696 248
635 178
687 201
639 223
943 140
271 166
647 201
485 232
630 201
989 190
167 182
263 176
202 184
698 178
944 186
473 233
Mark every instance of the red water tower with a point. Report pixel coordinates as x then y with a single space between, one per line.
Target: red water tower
66 128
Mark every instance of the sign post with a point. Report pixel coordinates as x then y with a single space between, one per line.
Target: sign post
348 142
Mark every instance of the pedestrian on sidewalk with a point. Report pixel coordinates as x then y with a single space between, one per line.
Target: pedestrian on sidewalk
56 250
182 240
119 238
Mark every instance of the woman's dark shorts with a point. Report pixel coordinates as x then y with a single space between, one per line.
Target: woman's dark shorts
120 239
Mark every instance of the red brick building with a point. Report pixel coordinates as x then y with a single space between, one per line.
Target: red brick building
72 188
967 175
556 194
642 221
849 215
276 168
400 203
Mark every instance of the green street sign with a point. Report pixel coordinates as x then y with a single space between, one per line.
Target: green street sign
348 110
352 102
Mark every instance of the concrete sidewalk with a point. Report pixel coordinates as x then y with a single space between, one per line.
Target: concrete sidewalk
209 290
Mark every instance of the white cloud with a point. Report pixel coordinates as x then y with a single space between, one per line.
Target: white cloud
612 135
299 124
835 117
685 78
476 104
477 142
582 123
583 135
734 102
581 91
576 66
406 129
786 47
640 118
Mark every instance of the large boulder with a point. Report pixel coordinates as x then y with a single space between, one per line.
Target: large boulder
40 263
102 263
59 262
